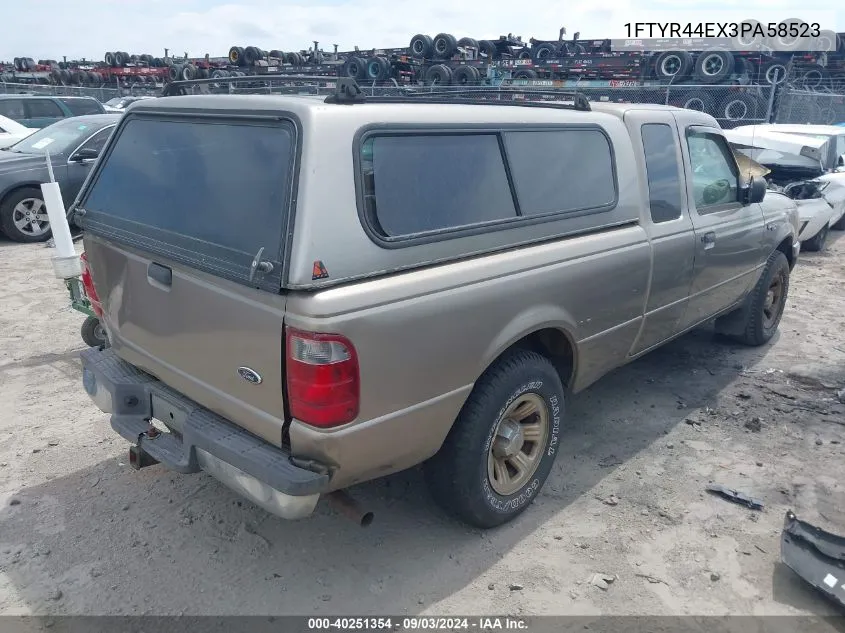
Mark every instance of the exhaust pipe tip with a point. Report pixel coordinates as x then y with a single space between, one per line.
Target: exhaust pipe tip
350 508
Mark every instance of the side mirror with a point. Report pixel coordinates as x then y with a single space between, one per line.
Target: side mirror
755 190
83 154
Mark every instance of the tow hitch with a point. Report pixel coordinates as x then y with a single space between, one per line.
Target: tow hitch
138 457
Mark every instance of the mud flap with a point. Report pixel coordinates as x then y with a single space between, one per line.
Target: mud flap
733 323
815 555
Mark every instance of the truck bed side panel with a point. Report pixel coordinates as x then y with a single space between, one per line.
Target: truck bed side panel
424 337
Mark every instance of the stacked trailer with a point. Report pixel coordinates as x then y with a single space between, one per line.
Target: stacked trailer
444 60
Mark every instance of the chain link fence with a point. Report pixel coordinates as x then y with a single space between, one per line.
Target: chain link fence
102 93
805 106
810 94
731 105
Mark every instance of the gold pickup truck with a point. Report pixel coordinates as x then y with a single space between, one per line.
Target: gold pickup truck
304 293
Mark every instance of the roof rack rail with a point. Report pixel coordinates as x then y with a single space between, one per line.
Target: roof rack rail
579 100
185 86
346 90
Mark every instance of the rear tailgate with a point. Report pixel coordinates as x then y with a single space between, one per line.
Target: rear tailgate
175 218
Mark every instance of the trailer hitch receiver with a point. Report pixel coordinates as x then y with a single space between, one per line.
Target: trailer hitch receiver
139 458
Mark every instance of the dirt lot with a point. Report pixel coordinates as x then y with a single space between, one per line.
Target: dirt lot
82 533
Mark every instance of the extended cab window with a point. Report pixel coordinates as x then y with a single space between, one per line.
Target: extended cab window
663 171
714 172
210 194
561 170
415 183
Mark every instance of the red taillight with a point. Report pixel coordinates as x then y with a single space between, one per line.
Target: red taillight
88 284
322 378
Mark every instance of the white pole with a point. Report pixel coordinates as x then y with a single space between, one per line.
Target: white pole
65 261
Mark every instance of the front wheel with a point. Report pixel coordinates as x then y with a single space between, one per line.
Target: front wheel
817 242
503 444
23 216
768 300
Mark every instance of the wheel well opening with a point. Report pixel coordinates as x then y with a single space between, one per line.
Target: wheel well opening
555 345
785 247
7 194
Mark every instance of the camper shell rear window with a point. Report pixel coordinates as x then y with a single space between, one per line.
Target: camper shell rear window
207 192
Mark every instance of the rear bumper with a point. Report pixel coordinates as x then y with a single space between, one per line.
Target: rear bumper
201 440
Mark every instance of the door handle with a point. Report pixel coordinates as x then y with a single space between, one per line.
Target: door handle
160 274
709 240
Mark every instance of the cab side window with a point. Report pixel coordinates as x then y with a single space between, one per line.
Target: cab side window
663 172
714 171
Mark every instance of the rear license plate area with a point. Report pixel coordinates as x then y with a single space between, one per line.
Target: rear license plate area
168 412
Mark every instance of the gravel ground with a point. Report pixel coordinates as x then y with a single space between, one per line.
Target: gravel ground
82 533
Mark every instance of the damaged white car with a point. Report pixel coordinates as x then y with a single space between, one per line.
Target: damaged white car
806 163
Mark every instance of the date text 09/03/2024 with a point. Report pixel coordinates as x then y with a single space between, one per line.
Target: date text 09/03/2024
721 29
417 623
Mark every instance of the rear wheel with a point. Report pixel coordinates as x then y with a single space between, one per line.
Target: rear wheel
503 444
23 216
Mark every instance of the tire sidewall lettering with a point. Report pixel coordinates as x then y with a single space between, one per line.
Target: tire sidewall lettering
510 504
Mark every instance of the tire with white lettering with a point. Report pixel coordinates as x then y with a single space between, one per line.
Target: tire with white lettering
503 444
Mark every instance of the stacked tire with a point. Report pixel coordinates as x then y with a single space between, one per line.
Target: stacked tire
246 56
117 59
24 64
445 46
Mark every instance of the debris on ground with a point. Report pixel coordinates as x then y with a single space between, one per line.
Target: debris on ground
654 580
754 425
610 461
602 581
735 496
515 586
715 576
815 555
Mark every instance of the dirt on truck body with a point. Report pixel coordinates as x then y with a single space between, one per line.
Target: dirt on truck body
359 287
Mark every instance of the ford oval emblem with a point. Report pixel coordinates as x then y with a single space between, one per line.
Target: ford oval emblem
250 375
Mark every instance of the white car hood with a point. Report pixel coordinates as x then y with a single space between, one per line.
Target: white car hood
7 140
778 148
